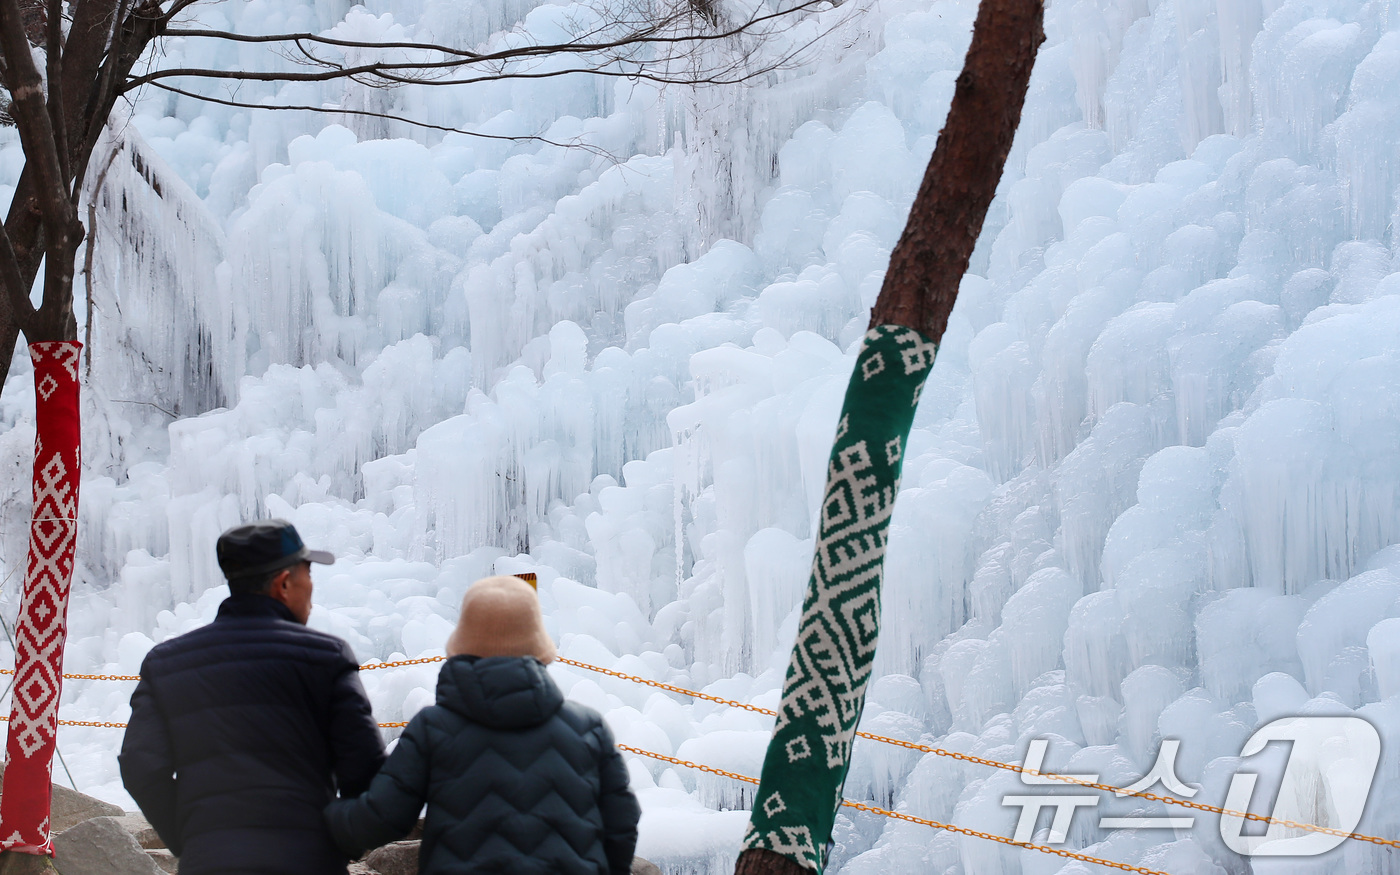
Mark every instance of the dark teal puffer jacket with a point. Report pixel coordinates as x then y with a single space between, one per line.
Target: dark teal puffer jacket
516 780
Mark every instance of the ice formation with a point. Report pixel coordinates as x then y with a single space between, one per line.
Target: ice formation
1151 491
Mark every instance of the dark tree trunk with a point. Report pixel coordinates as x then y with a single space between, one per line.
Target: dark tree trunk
761 861
86 76
927 264
929 261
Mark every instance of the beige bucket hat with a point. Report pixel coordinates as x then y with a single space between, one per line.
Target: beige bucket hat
501 617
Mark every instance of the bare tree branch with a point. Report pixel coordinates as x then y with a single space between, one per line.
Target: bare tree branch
86 53
313 38
36 21
14 304
639 37
133 29
90 251
53 60
526 138
92 58
28 106
460 58
734 72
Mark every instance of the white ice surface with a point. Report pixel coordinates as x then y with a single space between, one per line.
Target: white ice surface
1152 489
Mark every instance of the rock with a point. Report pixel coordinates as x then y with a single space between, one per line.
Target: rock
643 866
395 858
100 846
164 860
24 864
145 834
361 869
70 808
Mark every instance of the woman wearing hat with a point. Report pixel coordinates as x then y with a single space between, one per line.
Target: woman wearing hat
516 779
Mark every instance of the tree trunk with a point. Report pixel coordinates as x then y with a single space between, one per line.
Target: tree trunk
42 623
804 770
758 861
59 117
928 263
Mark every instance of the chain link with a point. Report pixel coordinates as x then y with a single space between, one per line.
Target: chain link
89 677
372 666
98 724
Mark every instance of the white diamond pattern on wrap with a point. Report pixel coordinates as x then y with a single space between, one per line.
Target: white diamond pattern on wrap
839 627
41 628
856 513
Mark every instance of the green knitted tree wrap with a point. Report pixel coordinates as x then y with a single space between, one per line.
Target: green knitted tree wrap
807 760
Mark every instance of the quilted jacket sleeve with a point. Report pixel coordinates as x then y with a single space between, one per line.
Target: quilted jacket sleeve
148 765
617 804
354 735
388 810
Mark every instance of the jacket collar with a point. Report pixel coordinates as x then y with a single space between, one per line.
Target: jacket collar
502 692
253 605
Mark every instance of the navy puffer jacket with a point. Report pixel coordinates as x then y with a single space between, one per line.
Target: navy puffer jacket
516 780
240 733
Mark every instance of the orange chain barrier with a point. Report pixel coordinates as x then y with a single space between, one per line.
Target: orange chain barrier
861 806
982 761
910 745
738 777
5 719
371 666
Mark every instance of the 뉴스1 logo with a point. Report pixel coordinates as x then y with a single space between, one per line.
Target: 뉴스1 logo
1326 781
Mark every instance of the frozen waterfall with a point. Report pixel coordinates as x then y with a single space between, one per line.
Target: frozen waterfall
1153 489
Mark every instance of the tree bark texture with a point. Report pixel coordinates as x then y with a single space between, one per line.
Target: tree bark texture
805 767
932 254
759 861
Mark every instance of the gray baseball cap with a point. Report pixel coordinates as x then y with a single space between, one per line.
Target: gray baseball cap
263 547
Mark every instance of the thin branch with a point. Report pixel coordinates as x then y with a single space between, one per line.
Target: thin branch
637 37
53 60
460 58
732 73
91 67
89 252
313 38
587 147
255 76
137 23
631 75
148 404
30 113
176 9
14 302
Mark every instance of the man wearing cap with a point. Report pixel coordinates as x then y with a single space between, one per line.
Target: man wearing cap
242 731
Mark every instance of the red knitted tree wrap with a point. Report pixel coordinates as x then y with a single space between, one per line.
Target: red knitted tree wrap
42 626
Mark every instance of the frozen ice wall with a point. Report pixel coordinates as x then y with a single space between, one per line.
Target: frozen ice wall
1151 490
